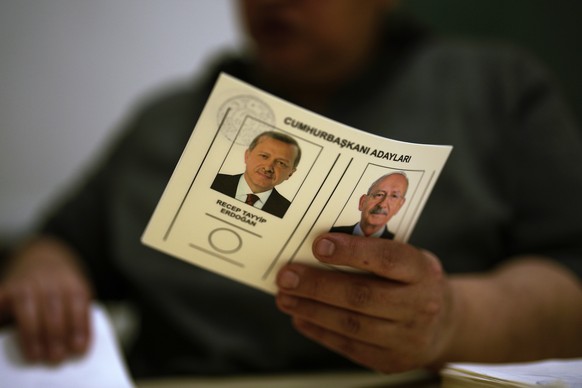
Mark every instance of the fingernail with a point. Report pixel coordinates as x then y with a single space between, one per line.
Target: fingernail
325 247
289 279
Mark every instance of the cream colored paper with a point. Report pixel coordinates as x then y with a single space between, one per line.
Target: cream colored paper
207 228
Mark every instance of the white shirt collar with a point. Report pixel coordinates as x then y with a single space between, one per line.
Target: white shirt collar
242 189
359 232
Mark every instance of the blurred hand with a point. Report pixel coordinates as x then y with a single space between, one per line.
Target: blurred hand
46 294
396 316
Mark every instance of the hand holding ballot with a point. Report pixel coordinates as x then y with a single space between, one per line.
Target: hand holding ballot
301 175
395 317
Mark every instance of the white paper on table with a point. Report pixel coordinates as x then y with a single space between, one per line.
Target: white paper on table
102 365
551 373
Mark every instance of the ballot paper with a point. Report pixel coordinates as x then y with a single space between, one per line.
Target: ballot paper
102 365
214 230
546 373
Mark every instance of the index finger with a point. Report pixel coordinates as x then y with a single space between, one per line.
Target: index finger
386 258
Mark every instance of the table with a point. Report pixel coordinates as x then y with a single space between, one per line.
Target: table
364 379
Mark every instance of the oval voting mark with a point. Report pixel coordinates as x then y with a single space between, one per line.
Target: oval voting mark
225 240
240 107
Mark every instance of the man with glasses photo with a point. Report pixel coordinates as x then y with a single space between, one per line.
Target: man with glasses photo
383 200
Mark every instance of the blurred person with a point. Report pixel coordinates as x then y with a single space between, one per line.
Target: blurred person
271 158
492 270
383 200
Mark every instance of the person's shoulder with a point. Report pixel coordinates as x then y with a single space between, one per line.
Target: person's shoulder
275 195
226 177
484 72
387 234
225 183
477 58
407 33
348 229
437 60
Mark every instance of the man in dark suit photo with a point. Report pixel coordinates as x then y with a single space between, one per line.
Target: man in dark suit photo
383 200
271 158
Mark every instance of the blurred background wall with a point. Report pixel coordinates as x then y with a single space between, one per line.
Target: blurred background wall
71 69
